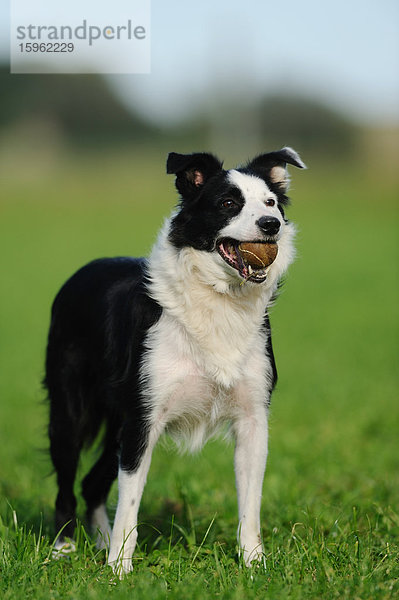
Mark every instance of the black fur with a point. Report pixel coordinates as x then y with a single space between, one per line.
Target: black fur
202 214
99 319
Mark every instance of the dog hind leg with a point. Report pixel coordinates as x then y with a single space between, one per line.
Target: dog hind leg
65 446
96 486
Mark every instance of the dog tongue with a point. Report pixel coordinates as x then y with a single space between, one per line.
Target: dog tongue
242 267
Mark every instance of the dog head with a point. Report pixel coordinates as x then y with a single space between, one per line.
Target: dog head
220 210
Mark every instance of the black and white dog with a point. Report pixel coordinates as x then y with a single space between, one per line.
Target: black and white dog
179 342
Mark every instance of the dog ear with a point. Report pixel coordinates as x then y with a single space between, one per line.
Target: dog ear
274 165
192 171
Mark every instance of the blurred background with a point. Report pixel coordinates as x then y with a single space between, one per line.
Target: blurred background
234 78
82 175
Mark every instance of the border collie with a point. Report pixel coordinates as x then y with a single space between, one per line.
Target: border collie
179 342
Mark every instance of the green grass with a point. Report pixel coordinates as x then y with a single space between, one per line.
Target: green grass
330 503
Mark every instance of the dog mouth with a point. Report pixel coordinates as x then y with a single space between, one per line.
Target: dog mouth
251 259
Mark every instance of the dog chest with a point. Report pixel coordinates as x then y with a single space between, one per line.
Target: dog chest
201 382
212 341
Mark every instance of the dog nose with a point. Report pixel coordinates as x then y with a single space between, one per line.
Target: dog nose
269 225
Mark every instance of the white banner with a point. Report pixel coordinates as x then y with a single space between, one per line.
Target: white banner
80 36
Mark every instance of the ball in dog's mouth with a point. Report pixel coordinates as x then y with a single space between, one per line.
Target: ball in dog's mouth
250 259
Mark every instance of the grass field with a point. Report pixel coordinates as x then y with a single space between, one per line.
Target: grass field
330 504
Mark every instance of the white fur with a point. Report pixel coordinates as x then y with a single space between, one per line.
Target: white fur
62 548
205 364
295 156
124 532
101 526
279 174
243 227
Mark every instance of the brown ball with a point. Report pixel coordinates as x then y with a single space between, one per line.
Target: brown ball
258 255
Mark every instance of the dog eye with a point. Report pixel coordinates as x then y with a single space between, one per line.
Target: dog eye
228 203
270 202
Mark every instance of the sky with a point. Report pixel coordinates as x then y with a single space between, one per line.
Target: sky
343 52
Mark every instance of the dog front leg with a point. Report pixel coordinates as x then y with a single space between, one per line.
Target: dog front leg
250 462
132 476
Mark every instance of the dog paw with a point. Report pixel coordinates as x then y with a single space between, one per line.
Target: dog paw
101 527
252 553
102 541
121 566
254 558
63 547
